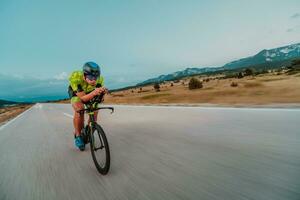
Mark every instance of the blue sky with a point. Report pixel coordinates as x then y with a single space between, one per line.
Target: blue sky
136 40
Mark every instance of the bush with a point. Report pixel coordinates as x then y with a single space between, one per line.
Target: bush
295 62
249 72
234 84
240 75
294 68
195 84
156 87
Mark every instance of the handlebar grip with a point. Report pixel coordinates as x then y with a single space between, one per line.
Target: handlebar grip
98 98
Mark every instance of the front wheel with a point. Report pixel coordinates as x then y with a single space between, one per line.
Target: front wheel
100 149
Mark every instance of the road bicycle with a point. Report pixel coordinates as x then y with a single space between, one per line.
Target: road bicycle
94 134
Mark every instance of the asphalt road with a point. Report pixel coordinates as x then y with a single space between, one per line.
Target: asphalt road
157 153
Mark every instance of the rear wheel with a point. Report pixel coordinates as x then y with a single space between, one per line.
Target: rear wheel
100 150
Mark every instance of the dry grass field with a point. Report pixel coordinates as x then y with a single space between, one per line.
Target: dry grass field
7 113
261 89
251 90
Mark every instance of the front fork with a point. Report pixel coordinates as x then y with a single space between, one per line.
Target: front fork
92 127
87 129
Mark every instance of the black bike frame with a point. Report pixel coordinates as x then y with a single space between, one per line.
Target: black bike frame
91 111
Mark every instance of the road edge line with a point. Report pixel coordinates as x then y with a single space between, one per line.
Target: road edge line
15 118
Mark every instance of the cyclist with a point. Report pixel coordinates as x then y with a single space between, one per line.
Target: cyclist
84 86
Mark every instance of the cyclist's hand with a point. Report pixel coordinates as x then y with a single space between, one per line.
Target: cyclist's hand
98 91
105 90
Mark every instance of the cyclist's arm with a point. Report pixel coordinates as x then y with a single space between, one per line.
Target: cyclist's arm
85 97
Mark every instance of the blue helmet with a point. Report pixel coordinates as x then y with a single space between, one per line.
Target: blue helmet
91 69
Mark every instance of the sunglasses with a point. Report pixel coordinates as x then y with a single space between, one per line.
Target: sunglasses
91 77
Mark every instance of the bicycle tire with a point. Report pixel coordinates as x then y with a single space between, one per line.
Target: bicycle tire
98 134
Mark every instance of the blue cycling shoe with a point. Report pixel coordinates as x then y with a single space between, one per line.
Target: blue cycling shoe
79 143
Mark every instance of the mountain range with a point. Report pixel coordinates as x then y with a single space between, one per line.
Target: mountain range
266 58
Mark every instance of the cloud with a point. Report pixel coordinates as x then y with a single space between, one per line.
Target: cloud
121 80
293 29
18 76
61 76
31 89
296 15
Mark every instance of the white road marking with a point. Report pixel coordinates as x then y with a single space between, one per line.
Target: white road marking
14 119
179 106
38 105
68 115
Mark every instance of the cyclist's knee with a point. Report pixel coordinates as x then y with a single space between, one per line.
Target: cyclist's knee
76 107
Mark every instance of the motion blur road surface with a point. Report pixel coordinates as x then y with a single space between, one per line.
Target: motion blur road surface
157 153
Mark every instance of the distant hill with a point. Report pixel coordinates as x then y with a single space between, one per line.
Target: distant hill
180 74
265 59
267 56
4 103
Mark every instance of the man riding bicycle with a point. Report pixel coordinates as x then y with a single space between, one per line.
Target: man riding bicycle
84 86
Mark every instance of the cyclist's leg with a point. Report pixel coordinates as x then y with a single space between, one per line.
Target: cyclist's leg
78 119
95 116
96 113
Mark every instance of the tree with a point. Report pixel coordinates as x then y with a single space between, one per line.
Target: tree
295 62
234 84
195 84
156 87
240 75
249 72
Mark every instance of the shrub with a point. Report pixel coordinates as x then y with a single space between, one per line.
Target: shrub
240 75
156 87
248 72
294 68
195 84
295 62
234 84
